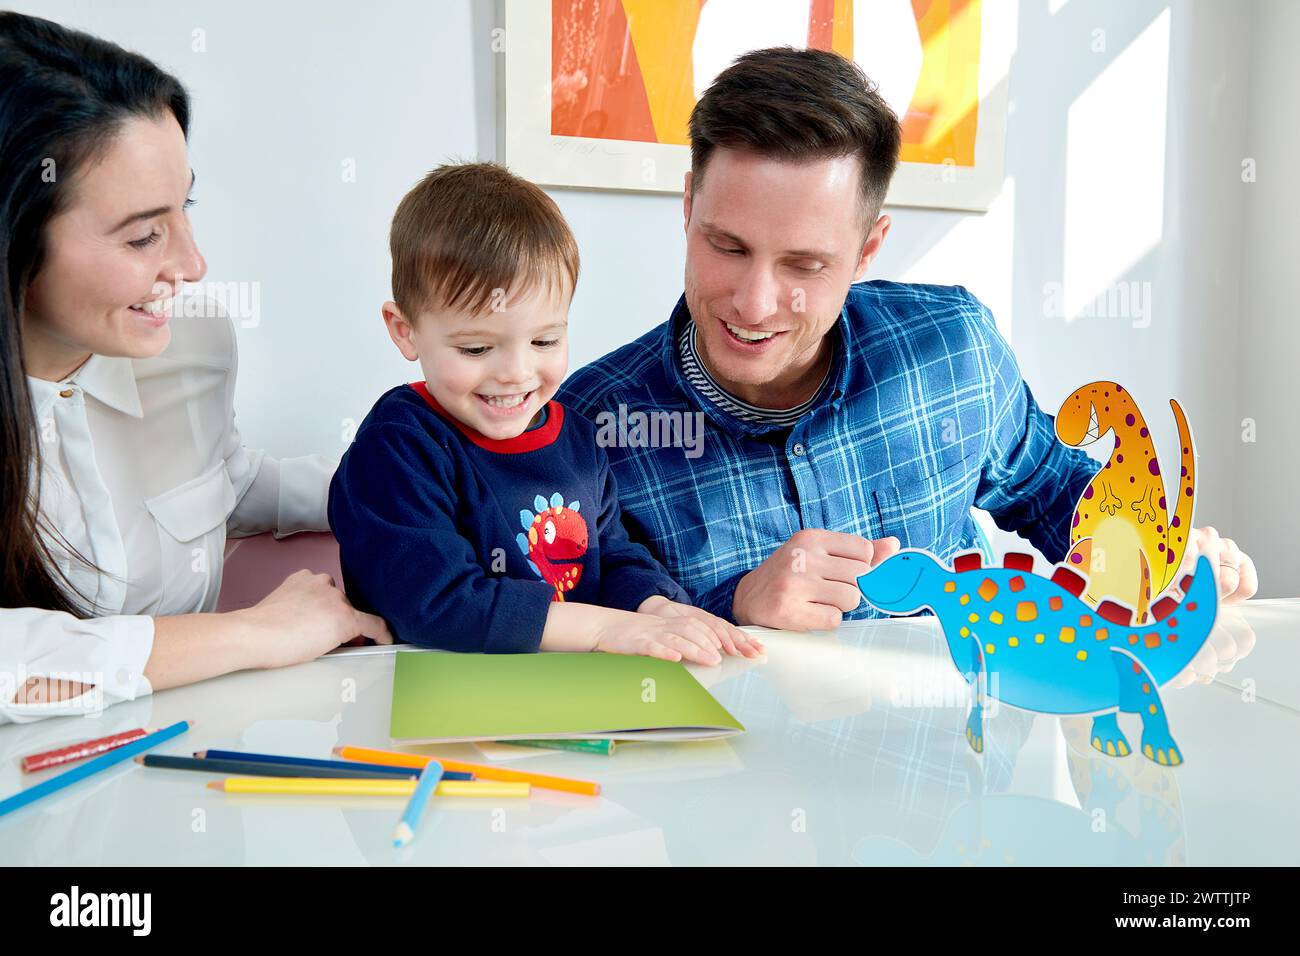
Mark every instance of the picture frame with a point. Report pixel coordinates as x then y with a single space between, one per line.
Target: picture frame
596 96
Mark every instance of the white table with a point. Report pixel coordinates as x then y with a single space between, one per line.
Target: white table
855 752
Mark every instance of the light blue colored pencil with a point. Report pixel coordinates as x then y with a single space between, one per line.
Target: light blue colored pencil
91 767
404 832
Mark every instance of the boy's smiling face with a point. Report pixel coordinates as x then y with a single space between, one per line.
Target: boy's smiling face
494 371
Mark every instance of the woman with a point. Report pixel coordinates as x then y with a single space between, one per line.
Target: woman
121 469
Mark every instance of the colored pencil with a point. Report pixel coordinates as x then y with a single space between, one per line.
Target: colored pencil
92 766
605 747
78 751
480 771
377 769
404 832
373 787
256 768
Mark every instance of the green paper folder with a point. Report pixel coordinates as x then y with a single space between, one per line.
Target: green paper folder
446 697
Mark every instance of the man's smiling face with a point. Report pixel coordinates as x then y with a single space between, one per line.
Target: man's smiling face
771 250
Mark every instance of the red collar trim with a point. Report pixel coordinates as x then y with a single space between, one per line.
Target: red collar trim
527 441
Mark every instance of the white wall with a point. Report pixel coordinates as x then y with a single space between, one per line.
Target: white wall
1265 513
1108 180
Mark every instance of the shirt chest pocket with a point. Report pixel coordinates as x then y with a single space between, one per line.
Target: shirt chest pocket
929 511
191 522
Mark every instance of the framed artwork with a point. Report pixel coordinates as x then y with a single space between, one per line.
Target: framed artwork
598 93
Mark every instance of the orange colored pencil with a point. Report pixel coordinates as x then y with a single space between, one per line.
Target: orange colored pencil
483 771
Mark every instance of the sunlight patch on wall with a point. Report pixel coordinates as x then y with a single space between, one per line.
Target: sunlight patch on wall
1115 170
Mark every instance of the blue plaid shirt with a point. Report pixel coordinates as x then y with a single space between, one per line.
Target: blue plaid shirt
927 416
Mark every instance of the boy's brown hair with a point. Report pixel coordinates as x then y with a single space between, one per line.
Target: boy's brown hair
798 105
469 233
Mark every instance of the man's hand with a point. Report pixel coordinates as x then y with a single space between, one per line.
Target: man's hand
810 581
1234 572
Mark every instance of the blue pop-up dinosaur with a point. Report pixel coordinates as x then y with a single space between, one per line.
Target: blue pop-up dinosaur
1042 649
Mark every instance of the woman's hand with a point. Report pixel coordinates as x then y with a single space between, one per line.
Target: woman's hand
1231 640
731 639
303 618
1234 571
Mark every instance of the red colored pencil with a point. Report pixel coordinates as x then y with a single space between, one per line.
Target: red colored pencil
79 751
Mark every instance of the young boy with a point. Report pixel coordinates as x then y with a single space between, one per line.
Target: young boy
472 512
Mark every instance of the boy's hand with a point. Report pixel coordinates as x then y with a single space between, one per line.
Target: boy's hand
731 638
667 638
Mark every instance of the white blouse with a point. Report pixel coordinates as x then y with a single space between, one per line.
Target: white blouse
144 474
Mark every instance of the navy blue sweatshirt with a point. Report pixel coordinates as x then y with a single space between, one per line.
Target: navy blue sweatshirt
462 542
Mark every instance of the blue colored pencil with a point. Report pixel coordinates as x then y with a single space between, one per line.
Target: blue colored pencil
384 768
91 767
404 832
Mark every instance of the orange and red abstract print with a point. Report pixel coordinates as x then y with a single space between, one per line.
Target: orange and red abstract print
627 69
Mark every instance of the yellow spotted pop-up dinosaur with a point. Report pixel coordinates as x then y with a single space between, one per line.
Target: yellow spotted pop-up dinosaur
1125 536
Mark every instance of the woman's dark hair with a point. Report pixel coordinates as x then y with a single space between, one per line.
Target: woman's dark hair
798 105
64 95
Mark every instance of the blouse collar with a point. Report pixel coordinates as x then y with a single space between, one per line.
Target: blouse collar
109 379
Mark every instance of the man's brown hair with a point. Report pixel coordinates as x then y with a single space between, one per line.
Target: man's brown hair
799 105
468 233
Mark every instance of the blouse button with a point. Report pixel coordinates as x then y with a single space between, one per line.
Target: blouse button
798 449
66 393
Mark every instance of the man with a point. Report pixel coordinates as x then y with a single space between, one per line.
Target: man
842 421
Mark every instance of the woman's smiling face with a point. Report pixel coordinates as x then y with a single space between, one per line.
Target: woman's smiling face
115 255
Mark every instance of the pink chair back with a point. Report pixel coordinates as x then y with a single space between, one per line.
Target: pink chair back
255 566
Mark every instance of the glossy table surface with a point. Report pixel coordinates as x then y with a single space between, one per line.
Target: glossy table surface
855 753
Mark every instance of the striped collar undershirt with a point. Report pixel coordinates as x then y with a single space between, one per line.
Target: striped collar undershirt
693 371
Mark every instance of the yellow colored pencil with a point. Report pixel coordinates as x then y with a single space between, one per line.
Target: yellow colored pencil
394 758
370 787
